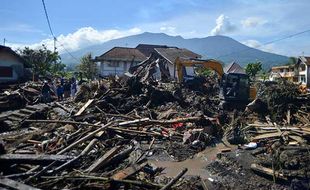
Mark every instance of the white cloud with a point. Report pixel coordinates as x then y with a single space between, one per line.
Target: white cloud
252 22
256 44
223 26
168 29
83 37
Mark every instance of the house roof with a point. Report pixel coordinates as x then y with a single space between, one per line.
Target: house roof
282 67
123 54
171 54
148 49
12 52
305 60
234 68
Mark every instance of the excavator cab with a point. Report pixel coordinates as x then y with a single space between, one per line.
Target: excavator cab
235 88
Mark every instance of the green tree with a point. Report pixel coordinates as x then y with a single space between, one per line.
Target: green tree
87 67
42 60
292 60
253 68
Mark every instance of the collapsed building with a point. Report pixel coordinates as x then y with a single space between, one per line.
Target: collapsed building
120 60
142 131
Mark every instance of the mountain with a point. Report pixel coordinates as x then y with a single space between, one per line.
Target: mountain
222 48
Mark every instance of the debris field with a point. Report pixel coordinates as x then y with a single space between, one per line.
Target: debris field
106 137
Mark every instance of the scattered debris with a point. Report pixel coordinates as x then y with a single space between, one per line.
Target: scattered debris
104 138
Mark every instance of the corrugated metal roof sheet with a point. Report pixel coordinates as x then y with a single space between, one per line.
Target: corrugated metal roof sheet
172 53
148 49
234 68
122 53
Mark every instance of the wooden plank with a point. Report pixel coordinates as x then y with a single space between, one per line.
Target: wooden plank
266 136
103 159
84 107
297 138
131 170
33 158
174 180
15 184
267 171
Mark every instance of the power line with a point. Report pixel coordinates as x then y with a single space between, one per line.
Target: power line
269 42
52 33
67 51
47 18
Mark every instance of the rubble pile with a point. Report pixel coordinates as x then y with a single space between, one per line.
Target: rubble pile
276 141
106 137
18 96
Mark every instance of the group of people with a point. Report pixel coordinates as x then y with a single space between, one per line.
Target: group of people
63 88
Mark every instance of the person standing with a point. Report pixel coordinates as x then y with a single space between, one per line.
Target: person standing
60 92
73 87
67 89
46 92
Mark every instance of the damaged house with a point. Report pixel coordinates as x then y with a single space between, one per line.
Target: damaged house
118 60
161 62
12 66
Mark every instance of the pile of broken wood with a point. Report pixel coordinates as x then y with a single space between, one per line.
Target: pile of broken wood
105 137
18 95
280 135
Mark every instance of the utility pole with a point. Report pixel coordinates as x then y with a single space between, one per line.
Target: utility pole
54 44
4 41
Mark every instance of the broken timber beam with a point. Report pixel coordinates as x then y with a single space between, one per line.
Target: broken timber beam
83 153
32 158
131 170
267 171
103 160
84 107
85 138
12 184
174 180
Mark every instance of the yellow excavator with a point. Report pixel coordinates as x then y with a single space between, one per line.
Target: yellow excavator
235 88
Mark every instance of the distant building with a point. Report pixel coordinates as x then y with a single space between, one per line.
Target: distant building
303 68
287 72
298 73
118 60
234 68
12 66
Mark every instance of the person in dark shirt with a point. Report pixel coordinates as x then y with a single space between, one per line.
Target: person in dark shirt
67 89
60 92
46 90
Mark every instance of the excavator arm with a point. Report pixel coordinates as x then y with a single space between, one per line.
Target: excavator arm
210 64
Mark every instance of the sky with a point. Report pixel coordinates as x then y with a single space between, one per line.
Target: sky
80 23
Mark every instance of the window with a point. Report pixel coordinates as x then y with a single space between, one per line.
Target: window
6 71
281 70
113 64
302 67
302 78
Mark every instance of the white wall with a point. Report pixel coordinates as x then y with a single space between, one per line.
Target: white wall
106 70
